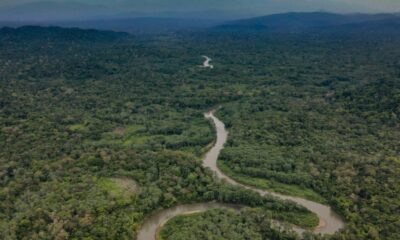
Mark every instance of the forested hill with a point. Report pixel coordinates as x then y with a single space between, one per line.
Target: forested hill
294 22
315 21
58 34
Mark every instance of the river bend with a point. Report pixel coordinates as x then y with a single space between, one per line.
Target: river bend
329 221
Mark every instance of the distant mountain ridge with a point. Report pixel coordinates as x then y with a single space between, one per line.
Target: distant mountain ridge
140 25
379 26
143 24
294 21
87 16
44 11
49 11
35 33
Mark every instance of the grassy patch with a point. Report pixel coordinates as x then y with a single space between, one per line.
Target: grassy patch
77 127
137 140
303 220
273 186
133 128
394 159
119 188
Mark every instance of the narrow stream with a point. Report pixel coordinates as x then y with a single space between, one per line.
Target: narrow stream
207 61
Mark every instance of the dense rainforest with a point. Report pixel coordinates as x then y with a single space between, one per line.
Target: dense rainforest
98 130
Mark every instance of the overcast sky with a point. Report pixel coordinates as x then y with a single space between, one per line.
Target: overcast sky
253 6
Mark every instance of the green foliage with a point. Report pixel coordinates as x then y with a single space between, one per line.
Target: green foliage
272 185
314 116
224 224
77 127
118 188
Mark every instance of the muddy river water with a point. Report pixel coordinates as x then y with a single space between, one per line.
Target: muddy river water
329 221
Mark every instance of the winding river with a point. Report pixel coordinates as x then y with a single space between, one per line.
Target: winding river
206 62
150 227
329 221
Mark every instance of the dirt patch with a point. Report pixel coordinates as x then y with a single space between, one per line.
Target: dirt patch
120 131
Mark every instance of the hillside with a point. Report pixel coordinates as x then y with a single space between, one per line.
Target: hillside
90 16
296 22
143 24
36 33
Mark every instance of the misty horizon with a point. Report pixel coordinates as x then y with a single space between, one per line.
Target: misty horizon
24 9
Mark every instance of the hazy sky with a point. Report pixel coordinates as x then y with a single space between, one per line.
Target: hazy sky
255 6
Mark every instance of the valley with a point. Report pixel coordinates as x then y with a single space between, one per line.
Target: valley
103 134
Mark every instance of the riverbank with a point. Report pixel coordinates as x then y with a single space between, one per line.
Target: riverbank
329 221
272 186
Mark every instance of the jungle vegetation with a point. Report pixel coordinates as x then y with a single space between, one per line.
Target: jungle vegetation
86 115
